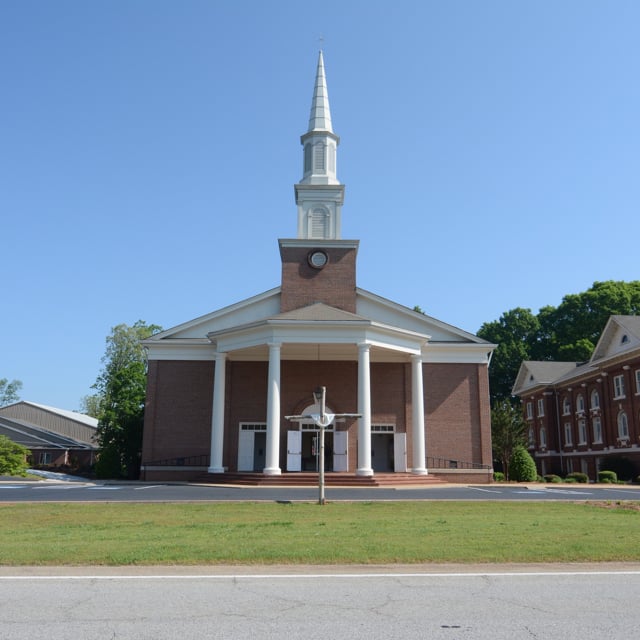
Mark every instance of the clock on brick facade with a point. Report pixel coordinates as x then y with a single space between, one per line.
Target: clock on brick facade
317 259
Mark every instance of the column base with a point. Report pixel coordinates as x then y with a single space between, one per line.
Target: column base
216 470
364 472
419 472
272 471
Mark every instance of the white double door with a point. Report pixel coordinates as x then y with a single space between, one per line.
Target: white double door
295 449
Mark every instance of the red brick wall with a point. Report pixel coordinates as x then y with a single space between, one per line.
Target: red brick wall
178 409
457 412
178 415
334 285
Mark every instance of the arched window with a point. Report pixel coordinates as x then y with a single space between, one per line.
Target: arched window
543 438
566 406
580 403
623 426
595 399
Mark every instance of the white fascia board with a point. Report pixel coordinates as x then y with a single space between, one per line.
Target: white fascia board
201 349
454 352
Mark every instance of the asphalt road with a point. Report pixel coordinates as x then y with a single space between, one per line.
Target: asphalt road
362 603
60 491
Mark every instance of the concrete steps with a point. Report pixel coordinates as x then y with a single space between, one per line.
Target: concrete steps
305 479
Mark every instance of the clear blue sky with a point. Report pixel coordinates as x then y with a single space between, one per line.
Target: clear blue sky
148 151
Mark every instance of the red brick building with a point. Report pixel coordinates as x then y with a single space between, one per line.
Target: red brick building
585 417
221 385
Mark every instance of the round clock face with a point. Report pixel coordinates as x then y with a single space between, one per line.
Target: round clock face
317 259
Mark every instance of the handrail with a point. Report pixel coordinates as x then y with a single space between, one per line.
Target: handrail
448 463
201 460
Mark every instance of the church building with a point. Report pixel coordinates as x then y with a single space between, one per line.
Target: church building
220 386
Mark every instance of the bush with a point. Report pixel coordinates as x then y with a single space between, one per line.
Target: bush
552 477
637 480
13 458
576 476
109 464
498 476
608 477
522 468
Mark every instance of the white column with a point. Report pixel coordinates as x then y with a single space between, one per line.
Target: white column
364 409
273 412
217 415
417 416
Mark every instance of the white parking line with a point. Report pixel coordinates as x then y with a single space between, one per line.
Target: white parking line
13 486
486 490
104 488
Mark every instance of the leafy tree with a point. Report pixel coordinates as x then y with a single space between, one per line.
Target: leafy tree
513 334
9 391
508 432
522 467
568 332
90 405
121 388
13 458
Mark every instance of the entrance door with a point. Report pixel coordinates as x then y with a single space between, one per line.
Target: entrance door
340 451
294 451
399 452
245 450
382 452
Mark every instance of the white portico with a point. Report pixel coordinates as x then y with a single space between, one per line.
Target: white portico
316 332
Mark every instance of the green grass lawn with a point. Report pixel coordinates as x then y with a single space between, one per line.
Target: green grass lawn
336 533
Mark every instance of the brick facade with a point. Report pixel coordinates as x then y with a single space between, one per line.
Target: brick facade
588 418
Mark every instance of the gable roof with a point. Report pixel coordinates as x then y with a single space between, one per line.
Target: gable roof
33 437
620 338
620 335
538 373
69 424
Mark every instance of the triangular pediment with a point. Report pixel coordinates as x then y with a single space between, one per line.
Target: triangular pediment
382 310
254 309
620 335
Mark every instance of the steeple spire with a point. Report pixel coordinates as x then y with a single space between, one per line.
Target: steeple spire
319 195
320 116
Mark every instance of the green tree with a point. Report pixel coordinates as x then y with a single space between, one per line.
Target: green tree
513 333
121 389
522 466
90 405
508 431
13 458
9 391
568 332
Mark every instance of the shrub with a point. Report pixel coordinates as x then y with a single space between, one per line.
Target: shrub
13 458
498 476
637 480
577 476
552 477
522 468
610 477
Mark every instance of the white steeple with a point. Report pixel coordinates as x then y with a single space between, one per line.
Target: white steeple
319 195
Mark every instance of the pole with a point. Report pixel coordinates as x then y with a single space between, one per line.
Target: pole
322 427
